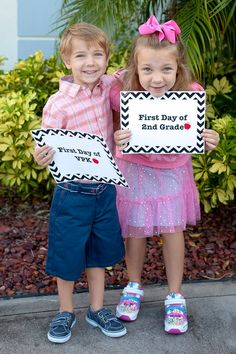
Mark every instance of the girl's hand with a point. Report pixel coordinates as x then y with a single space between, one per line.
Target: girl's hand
122 137
44 155
211 138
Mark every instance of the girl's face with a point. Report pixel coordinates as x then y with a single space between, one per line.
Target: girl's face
87 62
157 69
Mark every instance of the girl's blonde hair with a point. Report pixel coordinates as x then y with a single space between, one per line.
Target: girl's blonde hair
184 76
86 32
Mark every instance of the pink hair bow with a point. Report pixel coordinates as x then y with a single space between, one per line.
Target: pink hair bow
168 30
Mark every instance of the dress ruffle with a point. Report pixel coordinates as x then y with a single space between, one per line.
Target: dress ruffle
158 200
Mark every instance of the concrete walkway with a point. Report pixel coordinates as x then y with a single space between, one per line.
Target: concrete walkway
212 324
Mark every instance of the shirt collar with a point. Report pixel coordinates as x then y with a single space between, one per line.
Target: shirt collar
68 87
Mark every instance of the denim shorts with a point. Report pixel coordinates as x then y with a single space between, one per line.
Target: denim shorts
84 229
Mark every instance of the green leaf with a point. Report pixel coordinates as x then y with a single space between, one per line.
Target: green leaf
221 195
207 206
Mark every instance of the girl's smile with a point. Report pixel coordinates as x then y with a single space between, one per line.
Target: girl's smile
157 70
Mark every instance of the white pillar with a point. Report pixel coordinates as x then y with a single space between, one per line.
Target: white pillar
8 32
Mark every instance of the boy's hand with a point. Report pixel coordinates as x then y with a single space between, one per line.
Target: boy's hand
44 155
211 138
122 137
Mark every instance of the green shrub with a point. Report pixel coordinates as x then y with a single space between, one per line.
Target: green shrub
18 171
215 172
35 74
24 91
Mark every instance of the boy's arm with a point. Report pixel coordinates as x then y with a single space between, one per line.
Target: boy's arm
43 155
52 118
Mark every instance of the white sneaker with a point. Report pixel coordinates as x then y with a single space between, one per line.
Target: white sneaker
130 302
176 321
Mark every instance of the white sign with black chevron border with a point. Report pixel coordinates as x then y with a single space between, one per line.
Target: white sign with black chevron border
170 124
79 155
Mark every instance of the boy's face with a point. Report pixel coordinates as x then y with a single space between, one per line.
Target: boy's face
87 61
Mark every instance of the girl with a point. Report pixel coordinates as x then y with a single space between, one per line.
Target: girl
162 197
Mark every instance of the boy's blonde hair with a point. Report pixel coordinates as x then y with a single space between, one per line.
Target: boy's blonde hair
184 76
86 32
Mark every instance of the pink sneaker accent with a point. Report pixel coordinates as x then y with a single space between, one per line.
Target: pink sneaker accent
130 301
176 321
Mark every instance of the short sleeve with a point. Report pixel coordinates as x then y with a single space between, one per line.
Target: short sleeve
116 88
195 86
52 115
115 97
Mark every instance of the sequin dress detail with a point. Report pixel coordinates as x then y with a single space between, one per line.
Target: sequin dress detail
159 199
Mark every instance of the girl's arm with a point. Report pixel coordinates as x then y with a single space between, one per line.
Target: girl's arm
211 138
122 137
116 121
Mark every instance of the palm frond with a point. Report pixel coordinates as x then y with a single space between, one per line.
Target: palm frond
103 13
109 14
217 8
208 26
204 30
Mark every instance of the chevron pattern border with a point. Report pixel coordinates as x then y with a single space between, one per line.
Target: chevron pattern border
39 135
199 96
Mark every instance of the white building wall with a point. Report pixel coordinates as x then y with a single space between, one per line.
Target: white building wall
25 27
8 32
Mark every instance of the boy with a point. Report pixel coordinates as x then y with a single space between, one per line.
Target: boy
84 231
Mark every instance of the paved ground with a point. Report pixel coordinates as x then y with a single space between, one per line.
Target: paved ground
212 324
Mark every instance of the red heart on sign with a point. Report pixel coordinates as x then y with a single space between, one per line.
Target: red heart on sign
187 126
95 161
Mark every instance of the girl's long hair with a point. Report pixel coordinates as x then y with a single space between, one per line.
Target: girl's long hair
184 75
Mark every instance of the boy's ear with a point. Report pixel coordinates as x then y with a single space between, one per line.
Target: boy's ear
66 62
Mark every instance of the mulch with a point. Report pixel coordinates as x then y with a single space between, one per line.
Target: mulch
210 251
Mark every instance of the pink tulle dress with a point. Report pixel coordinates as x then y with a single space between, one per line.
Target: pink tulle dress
162 195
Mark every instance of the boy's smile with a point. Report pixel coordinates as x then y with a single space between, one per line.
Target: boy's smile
87 61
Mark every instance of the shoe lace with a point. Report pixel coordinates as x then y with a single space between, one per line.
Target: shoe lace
106 315
63 321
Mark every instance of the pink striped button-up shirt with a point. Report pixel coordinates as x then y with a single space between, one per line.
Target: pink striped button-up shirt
75 107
